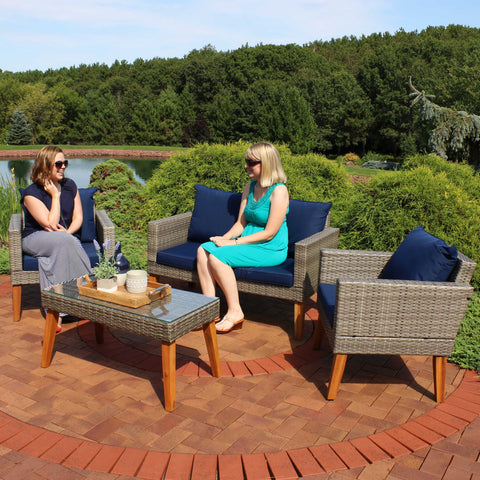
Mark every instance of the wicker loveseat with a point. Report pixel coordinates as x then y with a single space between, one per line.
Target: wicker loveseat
24 268
361 313
173 244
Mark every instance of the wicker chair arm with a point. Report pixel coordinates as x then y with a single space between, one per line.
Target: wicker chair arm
105 229
362 264
400 308
15 242
167 232
307 257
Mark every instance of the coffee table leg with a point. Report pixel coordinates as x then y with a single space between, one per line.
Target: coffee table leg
210 334
49 337
168 368
99 333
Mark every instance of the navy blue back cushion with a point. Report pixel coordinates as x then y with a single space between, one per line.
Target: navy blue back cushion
214 213
421 256
304 219
87 231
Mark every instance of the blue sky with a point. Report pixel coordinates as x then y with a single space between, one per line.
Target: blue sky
62 33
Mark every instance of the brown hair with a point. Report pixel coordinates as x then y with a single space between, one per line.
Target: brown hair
272 170
43 164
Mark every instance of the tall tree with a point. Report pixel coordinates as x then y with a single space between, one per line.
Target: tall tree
455 135
20 132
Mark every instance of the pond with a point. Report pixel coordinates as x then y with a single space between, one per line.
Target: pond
80 169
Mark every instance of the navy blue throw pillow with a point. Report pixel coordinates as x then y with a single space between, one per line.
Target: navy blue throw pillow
87 232
305 219
214 213
421 256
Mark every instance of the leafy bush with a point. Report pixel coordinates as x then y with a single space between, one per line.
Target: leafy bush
352 157
4 260
382 212
119 193
171 187
466 352
9 203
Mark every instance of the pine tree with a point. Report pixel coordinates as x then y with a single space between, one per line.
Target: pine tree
455 132
20 132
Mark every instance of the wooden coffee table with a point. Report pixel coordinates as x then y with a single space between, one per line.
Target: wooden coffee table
166 319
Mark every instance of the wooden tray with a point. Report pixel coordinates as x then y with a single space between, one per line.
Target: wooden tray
125 298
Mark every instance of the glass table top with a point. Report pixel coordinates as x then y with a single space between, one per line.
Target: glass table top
168 309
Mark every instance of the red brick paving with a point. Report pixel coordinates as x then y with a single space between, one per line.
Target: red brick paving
97 411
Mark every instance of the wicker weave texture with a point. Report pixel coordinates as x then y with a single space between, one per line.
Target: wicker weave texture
104 229
172 231
377 316
137 321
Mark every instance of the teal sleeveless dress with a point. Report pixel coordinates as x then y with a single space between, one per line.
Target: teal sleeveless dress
267 254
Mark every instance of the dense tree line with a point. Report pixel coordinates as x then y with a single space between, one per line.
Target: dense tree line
348 94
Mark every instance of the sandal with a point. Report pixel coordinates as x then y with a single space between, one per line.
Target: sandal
234 326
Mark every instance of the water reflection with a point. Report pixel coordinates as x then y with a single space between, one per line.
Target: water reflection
80 169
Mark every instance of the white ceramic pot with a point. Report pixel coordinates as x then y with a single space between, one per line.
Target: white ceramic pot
137 281
107 284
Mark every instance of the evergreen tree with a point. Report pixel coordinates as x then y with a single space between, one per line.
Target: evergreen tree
456 134
20 132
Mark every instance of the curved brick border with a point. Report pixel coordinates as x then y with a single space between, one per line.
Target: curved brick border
460 408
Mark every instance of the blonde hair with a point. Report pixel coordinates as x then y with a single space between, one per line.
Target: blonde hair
272 170
42 167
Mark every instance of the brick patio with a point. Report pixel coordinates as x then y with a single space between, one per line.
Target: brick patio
97 411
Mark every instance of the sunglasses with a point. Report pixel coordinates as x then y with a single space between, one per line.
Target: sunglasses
252 163
60 164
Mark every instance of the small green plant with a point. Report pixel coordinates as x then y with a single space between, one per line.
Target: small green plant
106 267
9 203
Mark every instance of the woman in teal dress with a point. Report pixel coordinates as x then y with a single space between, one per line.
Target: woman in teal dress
259 237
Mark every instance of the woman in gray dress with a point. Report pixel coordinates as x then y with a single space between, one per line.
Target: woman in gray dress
53 213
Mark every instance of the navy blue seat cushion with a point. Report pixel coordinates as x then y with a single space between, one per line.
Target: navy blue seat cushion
87 231
305 219
214 213
326 297
279 275
185 256
421 256
31 263
182 256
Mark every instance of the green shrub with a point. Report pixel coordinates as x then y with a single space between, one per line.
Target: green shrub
119 193
462 175
382 212
9 203
4 260
466 352
171 187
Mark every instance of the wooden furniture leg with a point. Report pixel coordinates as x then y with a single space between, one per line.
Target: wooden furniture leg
318 335
338 367
99 333
17 302
49 337
299 319
210 334
439 377
168 368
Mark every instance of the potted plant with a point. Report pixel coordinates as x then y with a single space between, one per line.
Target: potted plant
105 271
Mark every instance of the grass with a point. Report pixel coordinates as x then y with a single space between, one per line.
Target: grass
363 172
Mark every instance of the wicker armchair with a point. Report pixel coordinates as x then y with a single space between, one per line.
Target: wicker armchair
378 316
171 232
26 272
